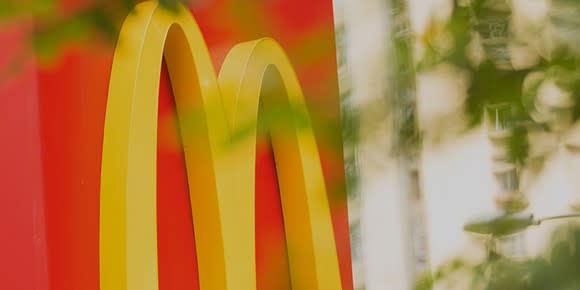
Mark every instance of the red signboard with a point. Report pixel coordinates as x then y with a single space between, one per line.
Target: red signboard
51 139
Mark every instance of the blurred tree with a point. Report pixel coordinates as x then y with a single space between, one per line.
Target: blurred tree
479 38
556 269
54 27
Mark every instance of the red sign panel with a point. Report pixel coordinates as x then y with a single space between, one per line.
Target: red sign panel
51 137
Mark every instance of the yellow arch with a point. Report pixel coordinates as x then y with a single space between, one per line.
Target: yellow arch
221 178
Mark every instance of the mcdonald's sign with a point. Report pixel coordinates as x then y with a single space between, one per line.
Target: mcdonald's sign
225 202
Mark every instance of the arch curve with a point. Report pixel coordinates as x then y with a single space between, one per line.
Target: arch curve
220 172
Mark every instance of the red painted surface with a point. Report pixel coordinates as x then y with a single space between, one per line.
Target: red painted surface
22 225
63 123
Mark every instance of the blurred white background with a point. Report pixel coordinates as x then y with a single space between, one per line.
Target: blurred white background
398 230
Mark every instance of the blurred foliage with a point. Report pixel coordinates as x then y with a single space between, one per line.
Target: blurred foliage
557 268
400 94
56 27
477 39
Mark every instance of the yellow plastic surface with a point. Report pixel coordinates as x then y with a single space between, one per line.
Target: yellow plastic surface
220 168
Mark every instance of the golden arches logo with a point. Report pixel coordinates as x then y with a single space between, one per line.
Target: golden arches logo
221 178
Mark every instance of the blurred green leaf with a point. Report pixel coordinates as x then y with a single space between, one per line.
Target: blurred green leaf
49 39
560 271
14 8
